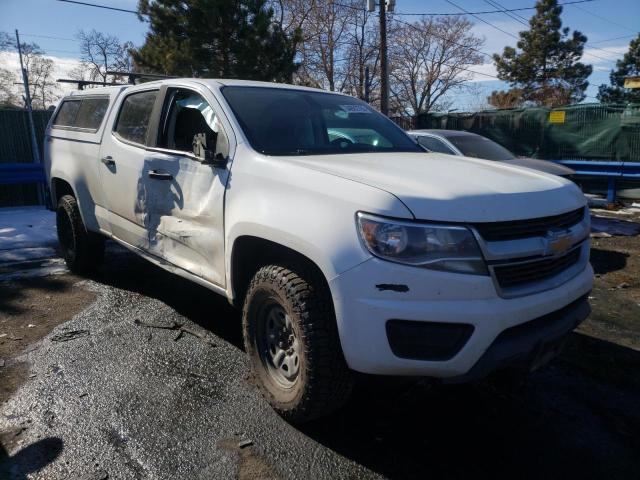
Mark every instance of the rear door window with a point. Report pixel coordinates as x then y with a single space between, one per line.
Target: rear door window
91 113
67 113
134 117
82 113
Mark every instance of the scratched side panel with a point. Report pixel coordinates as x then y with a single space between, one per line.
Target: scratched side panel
185 214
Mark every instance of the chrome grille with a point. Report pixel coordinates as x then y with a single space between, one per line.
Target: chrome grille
518 274
536 227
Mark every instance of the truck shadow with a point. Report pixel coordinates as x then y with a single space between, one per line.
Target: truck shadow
128 271
564 421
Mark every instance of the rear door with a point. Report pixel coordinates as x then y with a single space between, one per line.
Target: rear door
122 163
185 196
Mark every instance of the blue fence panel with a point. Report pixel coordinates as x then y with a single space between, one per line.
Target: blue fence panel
20 173
610 170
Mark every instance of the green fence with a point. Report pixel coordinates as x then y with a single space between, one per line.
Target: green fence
578 132
15 147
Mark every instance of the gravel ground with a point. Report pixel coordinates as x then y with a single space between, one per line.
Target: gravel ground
136 373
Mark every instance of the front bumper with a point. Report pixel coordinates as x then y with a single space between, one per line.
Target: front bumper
374 292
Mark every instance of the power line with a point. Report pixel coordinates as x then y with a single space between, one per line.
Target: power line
467 12
603 18
513 16
522 20
611 39
101 6
60 51
512 35
486 11
48 37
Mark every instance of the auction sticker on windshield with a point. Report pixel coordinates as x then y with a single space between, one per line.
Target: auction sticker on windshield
355 108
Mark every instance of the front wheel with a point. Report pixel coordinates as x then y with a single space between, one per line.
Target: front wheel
82 250
291 337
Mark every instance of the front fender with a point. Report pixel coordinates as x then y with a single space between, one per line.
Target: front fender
308 211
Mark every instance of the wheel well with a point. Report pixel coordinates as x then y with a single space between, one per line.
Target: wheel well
249 254
60 189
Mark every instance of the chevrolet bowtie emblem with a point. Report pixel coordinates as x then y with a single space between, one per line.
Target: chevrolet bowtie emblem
558 242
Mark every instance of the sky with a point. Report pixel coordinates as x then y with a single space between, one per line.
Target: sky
608 25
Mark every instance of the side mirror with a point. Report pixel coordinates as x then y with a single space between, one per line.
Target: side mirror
204 149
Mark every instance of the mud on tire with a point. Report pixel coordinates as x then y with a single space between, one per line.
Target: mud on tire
292 312
82 250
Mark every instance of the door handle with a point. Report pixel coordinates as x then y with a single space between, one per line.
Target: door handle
108 161
160 175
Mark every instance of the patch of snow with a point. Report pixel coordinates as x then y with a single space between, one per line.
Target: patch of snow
27 227
28 242
54 266
595 200
16 255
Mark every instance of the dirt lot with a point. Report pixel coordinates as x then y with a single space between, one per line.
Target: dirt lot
88 391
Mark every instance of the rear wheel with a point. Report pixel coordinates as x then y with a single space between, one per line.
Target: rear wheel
292 340
82 250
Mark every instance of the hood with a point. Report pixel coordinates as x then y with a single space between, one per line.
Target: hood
454 189
541 165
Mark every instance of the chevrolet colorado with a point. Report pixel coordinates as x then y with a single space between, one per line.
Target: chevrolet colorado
347 248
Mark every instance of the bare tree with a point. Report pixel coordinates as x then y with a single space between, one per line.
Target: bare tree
42 85
363 53
7 77
323 49
101 53
7 90
292 15
428 59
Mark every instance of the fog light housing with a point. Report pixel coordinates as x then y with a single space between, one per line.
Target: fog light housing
433 341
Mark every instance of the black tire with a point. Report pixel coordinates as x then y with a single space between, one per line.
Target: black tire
82 251
323 381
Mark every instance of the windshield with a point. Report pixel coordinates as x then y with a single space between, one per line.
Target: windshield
480 147
280 121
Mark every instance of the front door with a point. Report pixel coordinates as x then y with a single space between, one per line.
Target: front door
185 196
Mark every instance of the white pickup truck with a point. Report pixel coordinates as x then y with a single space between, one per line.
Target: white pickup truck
347 247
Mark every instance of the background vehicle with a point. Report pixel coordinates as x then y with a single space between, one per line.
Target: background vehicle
456 142
321 219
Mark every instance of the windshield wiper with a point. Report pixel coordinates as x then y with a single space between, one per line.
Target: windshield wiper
296 151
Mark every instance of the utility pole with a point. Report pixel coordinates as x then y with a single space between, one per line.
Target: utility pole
27 100
385 5
384 71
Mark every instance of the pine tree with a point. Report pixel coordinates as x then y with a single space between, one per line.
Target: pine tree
545 65
628 66
216 39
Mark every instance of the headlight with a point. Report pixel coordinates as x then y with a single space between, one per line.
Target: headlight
438 247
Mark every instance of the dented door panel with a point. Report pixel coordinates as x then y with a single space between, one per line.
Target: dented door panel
184 213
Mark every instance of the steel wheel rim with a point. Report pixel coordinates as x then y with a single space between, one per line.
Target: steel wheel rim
279 345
